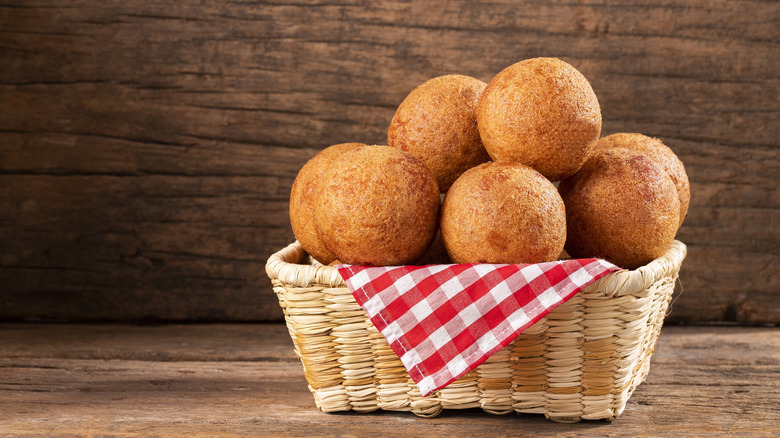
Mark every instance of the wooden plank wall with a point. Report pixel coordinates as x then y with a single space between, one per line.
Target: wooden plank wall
147 148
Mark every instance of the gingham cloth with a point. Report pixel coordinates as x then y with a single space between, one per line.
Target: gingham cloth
445 320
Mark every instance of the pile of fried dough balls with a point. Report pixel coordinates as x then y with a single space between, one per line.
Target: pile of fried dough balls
492 152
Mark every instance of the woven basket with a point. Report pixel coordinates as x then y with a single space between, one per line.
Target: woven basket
580 362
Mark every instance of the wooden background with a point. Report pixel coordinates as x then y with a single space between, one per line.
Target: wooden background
147 148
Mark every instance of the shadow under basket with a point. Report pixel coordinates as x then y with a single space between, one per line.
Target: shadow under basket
580 362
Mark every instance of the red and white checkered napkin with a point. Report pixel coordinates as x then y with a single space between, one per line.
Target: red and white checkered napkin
445 320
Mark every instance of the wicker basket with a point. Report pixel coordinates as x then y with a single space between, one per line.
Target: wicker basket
580 362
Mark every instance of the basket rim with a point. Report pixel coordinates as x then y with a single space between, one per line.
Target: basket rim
285 266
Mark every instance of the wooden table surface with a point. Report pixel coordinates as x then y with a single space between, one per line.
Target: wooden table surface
244 380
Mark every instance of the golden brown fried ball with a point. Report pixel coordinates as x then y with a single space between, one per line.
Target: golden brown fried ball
541 112
621 207
379 206
305 191
660 154
436 254
437 123
503 213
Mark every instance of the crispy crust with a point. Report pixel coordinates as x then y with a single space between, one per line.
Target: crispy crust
436 254
305 191
660 154
379 206
621 207
437 123
541 112
503 213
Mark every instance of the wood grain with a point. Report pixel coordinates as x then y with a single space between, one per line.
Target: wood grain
147 149
238 380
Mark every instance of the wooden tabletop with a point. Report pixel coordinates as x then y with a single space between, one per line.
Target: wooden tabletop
244 380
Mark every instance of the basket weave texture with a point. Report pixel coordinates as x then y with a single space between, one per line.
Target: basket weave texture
580 362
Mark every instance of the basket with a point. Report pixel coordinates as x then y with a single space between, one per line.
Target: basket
580 362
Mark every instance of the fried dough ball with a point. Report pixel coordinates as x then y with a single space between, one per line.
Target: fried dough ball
436 254
503 213
621 207
437 123
305 191
379 206
660 154
540 112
